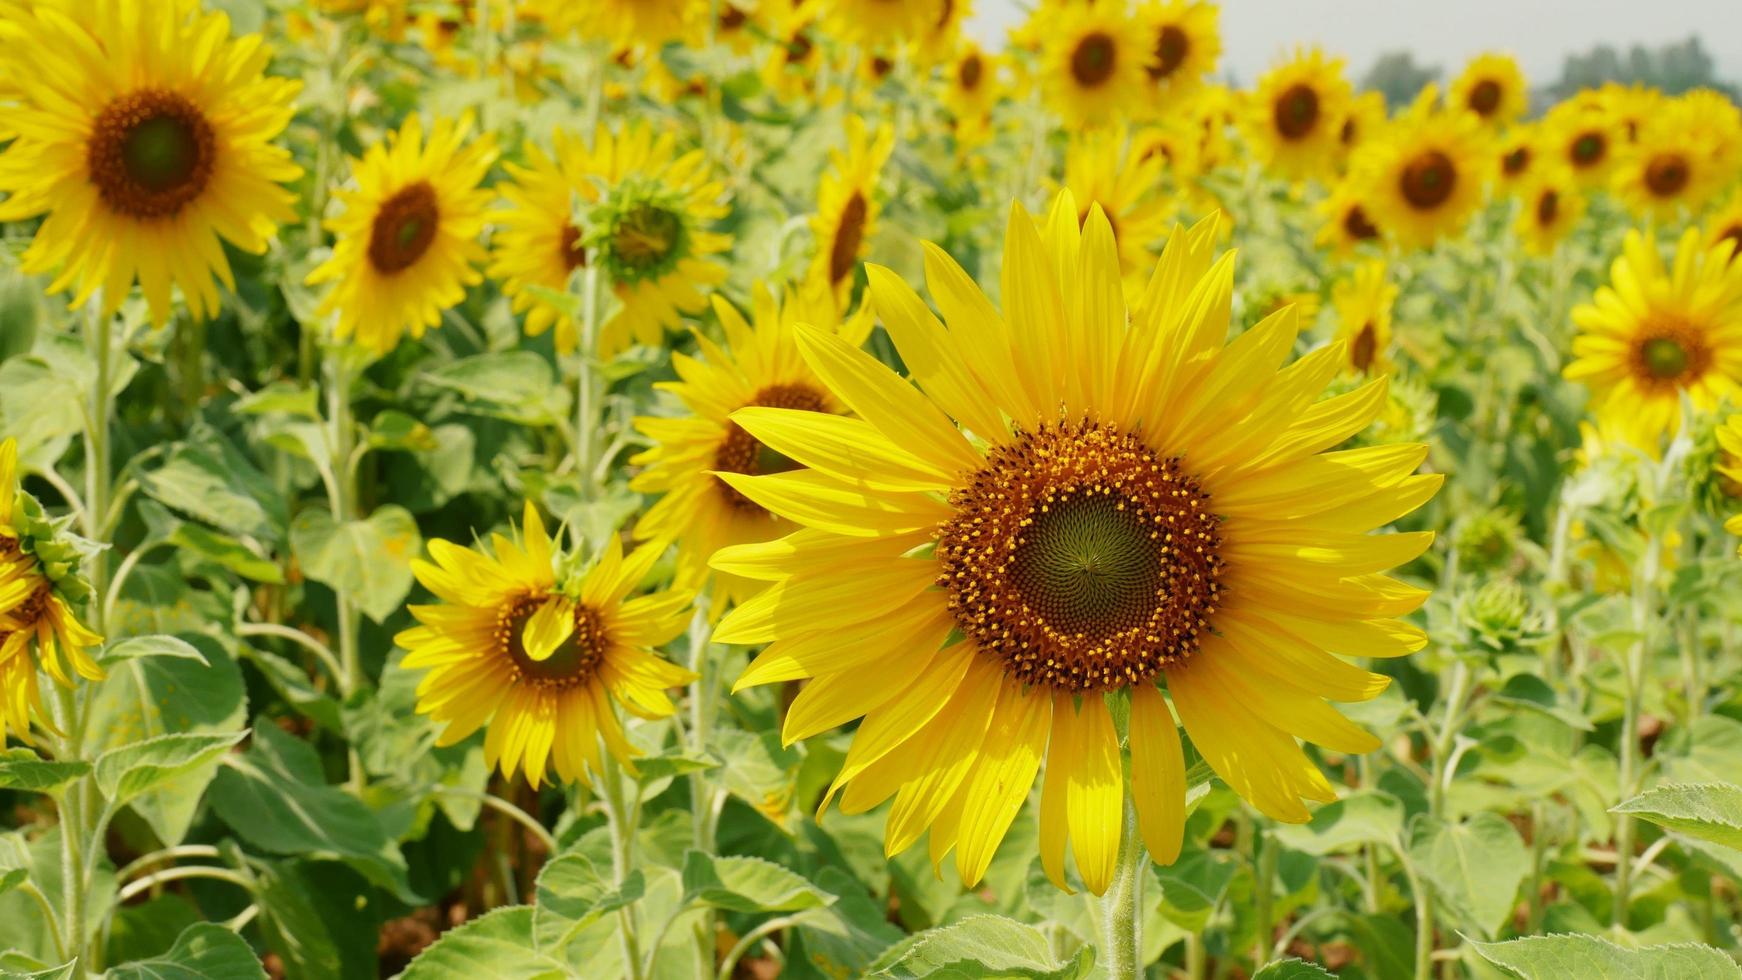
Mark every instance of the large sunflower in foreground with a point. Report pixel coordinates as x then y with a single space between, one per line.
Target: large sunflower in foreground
39 581
1493 88
757 366
1091 65
1075 504
1426 175
537 242
1658 333
145 149
1294 118
848 203
408 237
541 658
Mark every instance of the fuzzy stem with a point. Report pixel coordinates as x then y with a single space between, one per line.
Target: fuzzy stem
1119 926
72 836
1633 669
619 814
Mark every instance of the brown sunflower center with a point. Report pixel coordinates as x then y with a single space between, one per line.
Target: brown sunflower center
1081 558
1670 354
1357 224
1547 207
29 612
1588 149
151 153
575 660
1093 60
1363 348
881 67
1516 162
8 546
731 18
1428 180
1296 111
740 452
1485 97
799 48
1666 174
1733 235
844 250
946 12
969 71
570 251
1171 48
404 227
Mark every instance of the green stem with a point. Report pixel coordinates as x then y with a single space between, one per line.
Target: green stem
342 499
1263 887
1118 912
703 794
1644 607
587 383
1424 919
72 836
99 481
620 816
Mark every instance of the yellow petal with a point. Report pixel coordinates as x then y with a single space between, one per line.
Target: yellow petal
1001 779
549 626
1094 790
850 449
1158 774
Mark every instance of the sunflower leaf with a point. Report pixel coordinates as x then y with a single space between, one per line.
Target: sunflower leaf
23 769
1554 957
1708 811
203 950
981 947
367 561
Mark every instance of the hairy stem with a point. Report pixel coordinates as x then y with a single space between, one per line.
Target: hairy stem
1118 913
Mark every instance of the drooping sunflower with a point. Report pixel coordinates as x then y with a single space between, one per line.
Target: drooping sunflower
848 203
1583 134
1672 166
1550 207
1363 303
1346 219
648 22
1105 167
1517 157
758 365
873 22
647 230
1091 65
1294 119
143 149
39 581
537 242
408 238
1425 176
1185 43
542 659
1656 334
1492 87
1075 503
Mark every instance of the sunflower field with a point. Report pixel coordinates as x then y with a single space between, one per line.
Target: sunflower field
669 489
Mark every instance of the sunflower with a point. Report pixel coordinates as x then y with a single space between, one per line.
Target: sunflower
537 242
1729 466
1720 124
1583 134
1518 157
971 84
1549 207
1493 88
1294 119
1424 177
1184 46
1091 65
1363 303
941 39
737 24
1366 116
848 204
539 658
758 365
1346 219
1724 226
408 237
1659 333
1673 165
1107 168
647 232
39 581
142 157
874 22
649 22
1074 504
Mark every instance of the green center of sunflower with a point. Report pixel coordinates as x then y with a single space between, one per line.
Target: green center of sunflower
1588 149
1485 97
639 232
740 452
1093 60
405 225
1670 353
1428 180
849 235
646 236
1296 111
575 660
1666 175
1663 357
151 153
1171 46
1081 558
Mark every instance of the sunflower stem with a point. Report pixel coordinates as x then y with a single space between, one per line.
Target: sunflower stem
72 836
619 817
703 794
1264 865
1633 674
1119 925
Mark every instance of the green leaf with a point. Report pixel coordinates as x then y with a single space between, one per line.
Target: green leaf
573 892
210 480
978 948
143 647
748 884
1362 817
23 769
275 798
51 973
282 397
1293 969
1532 693
368 560
1475 866
1709 811
498 945
399 431
149 928
515 385
1590 958
125 772
659 767
204 950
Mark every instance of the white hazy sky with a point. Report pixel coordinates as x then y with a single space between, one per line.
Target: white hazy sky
1445 32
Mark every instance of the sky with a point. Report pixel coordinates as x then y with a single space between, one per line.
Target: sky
1539 33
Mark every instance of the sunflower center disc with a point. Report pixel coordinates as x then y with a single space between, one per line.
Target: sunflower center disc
968 74
1671 354
1547 206
1356 224
1428 179
740 452
1297 109
1092 61
1171 46
1515 162
1364 347
1587 149
844 250
1081 558
1485 97
403 228
1663 357
573 255
574 661
1667 174
151 153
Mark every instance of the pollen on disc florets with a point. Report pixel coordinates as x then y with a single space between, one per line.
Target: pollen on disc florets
1081 558
573 663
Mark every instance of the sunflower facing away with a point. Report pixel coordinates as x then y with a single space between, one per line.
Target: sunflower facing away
1363 304
1091 65
1548 209
1294 119
758 365
38 582
1074 504
848 203
1424 177
540 655
1656 333
408 238
145 139
1185 44
1104 167
1493 88
537 242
